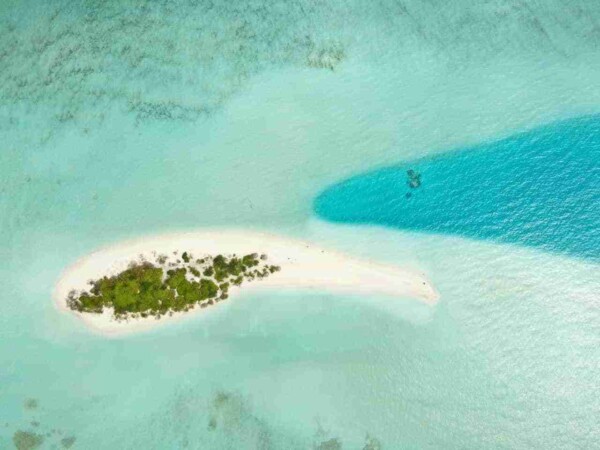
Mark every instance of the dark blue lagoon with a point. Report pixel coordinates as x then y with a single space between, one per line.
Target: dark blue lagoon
540 189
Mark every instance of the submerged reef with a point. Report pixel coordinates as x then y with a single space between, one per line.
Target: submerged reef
154 289
231 415
41 435
68 442
329 444
414 179
78 62
326 57
335 444
372 443
26 440
229 419
30 403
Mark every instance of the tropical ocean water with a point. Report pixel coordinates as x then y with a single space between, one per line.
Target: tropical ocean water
131 117
540 189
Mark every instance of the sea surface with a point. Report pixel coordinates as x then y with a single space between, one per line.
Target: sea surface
131 117
540 189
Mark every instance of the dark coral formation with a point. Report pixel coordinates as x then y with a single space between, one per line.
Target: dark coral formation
81 60
414 179
26 440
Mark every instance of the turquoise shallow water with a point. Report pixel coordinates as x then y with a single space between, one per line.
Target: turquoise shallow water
540 189
120 118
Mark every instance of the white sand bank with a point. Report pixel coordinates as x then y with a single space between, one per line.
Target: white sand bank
303 266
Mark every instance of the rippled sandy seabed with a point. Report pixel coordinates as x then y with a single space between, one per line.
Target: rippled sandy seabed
120 118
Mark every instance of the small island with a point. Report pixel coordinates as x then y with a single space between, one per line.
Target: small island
124 288
169 284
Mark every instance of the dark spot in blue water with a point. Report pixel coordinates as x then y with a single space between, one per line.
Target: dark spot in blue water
414 179
540 189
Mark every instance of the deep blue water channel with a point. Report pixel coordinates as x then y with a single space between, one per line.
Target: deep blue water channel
539 188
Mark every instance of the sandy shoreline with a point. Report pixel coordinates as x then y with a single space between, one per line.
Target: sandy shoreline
303 266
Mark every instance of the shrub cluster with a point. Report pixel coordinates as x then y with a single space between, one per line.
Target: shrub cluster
146 289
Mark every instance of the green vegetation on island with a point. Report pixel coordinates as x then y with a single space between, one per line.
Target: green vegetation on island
154 289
